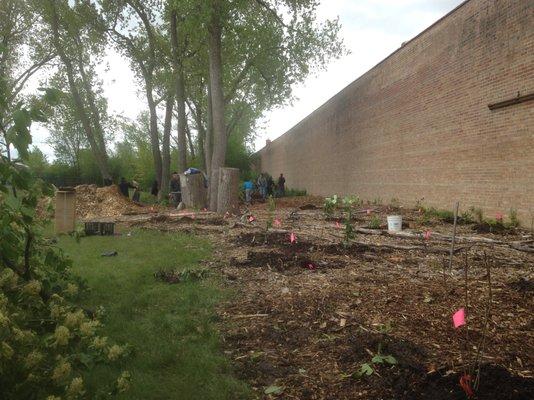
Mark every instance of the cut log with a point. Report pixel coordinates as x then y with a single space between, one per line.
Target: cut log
228 191
194 192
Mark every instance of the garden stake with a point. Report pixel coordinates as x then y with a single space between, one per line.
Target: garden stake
480 350
453 235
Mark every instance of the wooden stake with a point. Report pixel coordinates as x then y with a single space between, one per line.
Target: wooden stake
453 235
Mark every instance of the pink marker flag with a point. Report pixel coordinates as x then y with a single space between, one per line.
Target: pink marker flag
311 267
338 225
458 318
499 216
277 222
427 235
292 238
251 218
368 211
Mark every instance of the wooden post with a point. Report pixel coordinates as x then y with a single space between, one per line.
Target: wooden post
194 193
228 191
457 205
65 212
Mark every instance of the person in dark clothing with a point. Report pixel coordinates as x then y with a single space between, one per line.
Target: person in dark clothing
124 185
281 185
136 196
176 189
154 190
270 185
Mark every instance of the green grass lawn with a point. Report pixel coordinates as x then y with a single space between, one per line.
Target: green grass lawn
171 327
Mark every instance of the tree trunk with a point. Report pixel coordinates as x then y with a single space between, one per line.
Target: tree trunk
180 94
194 193
208 138
99 154
228 193
166 148
154 136
217 101
190 142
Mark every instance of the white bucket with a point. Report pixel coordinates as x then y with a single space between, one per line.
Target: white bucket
394 223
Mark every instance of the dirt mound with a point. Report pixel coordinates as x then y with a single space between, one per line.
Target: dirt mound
92 201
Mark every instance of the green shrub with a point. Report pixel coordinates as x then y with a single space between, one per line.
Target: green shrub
47 343
374 223
514 220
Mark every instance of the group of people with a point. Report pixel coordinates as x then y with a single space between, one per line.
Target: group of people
264 184
266 187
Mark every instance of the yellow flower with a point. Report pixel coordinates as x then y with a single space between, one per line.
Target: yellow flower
33 288
88 328
4 320
73 320
62 335
56 311
6 351
123 382
75 388
3 300
62 370
22 336
71 289
100 343
115 352
8 278
33 359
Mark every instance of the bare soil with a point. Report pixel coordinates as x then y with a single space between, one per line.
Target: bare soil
307 315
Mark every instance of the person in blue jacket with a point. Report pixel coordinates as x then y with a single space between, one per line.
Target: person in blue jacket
249 187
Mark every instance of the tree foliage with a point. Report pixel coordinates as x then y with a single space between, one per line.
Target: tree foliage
47 343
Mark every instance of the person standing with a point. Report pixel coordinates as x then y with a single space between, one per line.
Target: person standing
154 190
262 184
136 196
281 185
176 190
249 187
124 185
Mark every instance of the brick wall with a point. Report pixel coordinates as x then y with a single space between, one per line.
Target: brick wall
418 124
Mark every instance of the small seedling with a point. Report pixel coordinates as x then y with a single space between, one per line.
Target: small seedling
374 223
514 220
330 205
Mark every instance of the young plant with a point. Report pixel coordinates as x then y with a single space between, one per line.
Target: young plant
330 205
271 204
348 203
514 220
374 223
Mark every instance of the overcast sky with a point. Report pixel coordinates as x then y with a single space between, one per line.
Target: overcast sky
371 29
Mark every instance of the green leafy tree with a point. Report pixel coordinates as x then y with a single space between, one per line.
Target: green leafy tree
47 343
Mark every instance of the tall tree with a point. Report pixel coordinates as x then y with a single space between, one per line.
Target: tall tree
220 140
66 26
22 55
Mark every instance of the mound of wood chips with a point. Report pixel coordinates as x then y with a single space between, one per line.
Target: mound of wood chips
92 201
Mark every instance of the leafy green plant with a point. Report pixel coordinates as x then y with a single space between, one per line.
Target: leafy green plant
348 202
330 205
374 223
47 342
514 220
271 204
478 214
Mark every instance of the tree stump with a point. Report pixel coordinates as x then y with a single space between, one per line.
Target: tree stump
194 193
228 191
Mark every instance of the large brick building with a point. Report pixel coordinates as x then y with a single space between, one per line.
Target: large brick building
447 117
